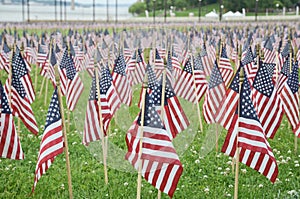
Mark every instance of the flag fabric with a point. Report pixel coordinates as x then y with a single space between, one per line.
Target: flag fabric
41 56
21 72
63 73
161 166
254 150
48 66
159 66
5 54
174 118
74 86
52 142
175 64
225 67
229 102
109 104
214 95
10 145
249 64
121 82
136 68
266 101
205 60
185 86
269 52
290 99
283 76
20 102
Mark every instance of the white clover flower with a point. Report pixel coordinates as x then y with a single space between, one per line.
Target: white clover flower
244 170
74 143
289 151
200 170
197 161
206 190
85 163
150 191
62 186
125 183
227 169
219 168
30 136
229 162
292 192
288 158
228 195
205 176
230 186
296 165
260 185
296 161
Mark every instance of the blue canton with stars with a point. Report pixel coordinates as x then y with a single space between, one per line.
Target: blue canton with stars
152 81
224 53
64 60
293 79
248 57
188 66
93 92
105 80
53 58
151 117
70 69
269 68
215 78
263 81
286 67
235 82
156 94
157 56
246 106
18 70
198 63
5 109
169 62
53 114
120 65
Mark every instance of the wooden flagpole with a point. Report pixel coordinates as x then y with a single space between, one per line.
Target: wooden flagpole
140 161
66 149
296 137
101 121
36 73
237 152
47 81
10 75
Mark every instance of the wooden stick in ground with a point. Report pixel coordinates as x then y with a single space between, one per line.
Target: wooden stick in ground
66 149
140 161
101 123
237 152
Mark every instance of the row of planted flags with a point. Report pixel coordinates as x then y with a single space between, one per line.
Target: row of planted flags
189 65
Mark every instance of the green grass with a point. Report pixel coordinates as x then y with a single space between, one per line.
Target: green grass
207 173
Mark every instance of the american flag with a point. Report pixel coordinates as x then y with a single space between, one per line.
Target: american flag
290 99
5 54
20 103
63 73
136 68
109 104
74 85
229 102
269 52
214 95
52 140
282 57
48 66
284 73
161 166
175 64
10 145
41 56
254 150
249 64
200 79
266 101
121 82
159 66
29 53
127 52
174 117
205 61
185 86
225 67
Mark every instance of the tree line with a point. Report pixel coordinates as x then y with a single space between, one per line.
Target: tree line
234 5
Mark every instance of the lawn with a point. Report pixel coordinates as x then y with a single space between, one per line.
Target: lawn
207 173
